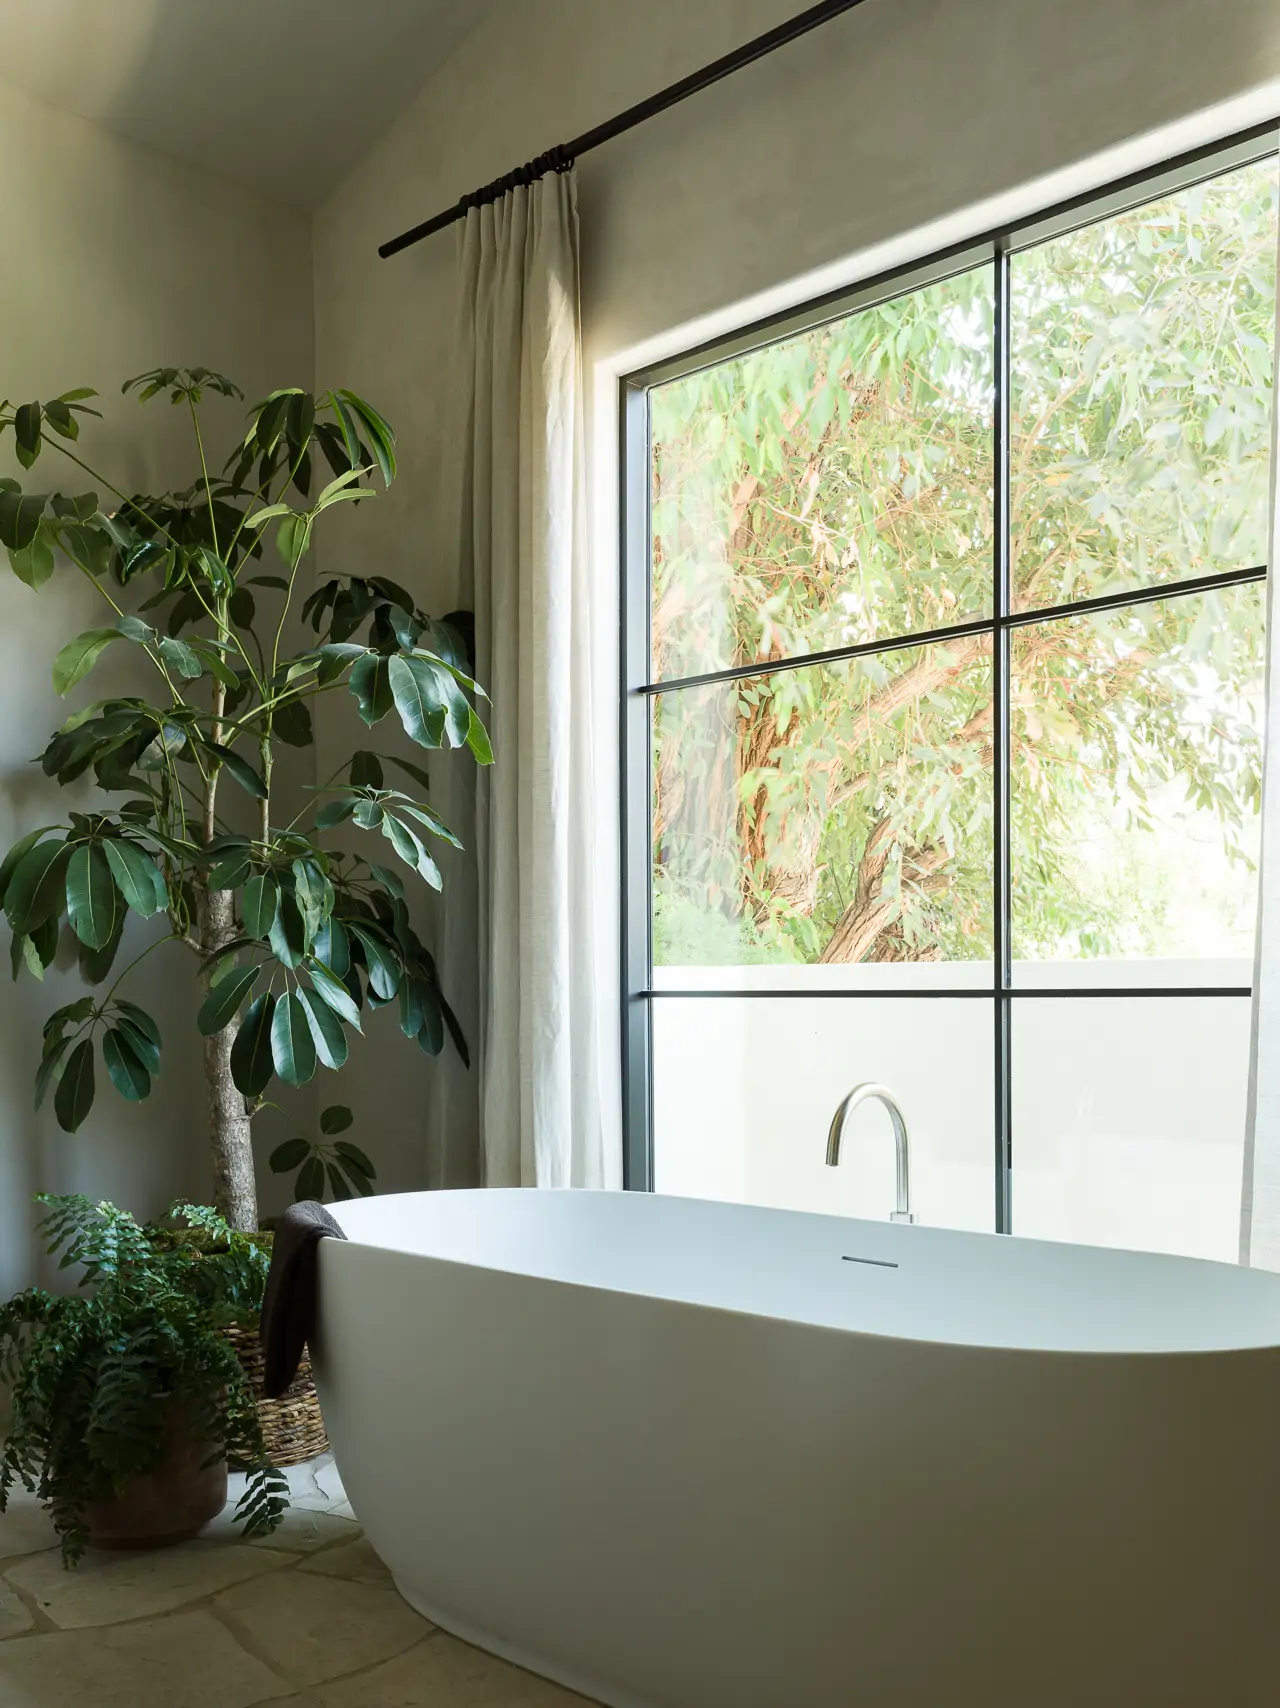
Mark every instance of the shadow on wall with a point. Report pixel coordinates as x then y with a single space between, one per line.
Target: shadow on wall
204 83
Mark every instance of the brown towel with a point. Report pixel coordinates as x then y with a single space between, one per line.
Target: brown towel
289 1304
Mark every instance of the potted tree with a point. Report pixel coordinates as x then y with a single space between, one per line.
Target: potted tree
127 1401
293 938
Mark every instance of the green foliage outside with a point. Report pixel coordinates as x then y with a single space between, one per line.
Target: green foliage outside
91 1373
837 488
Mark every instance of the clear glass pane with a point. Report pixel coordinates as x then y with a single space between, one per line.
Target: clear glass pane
1143 354
1135 791
1128 1122
744 1090
828 815
828 490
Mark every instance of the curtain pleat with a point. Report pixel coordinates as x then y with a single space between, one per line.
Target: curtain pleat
550 1106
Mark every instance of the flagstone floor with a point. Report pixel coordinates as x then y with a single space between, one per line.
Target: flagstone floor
306 1616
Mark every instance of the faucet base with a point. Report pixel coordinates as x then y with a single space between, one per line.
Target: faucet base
902 1216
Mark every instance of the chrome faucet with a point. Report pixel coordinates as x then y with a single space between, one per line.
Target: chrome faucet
902 1142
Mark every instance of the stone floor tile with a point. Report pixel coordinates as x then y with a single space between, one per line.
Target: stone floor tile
188 1661
302 1531
356 1561
15 1616
328 1481
443 1673
344 1509
108 1586
25 1527
313 1628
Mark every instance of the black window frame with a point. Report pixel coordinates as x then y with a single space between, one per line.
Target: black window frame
995 249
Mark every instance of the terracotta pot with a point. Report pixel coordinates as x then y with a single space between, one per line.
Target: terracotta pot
167 1505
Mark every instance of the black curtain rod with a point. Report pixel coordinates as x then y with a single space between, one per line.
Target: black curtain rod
562 158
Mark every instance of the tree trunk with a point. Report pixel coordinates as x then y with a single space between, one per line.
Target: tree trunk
230 1127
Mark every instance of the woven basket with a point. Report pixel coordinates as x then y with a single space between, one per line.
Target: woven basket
292 1426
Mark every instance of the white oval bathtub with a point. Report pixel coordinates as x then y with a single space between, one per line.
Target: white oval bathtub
678 1454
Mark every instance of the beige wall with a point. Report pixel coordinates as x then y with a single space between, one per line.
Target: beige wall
115 261
883 122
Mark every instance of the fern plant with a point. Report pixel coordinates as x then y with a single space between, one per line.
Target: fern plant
92 1372
294 938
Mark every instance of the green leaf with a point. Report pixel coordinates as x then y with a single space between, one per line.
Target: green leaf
17 854
179 658
411 1007
145 1050
50 1069
381 438
419 699
37 888
431 1037
95 964
411 770
310 1182
79 656
260 518
128 1075
335 1119
478 739
355 1157
74 1097
434 823
260 905
371 684
326 1030
388 879
93 901
291 721
138 878
251 1062
288 1155
288 934
292 1048
365 771
142 1020
241 770
333 947
224 1000
335 812
26 431
408 845
20 514
384 971
292 538
230 873
334 992
35 564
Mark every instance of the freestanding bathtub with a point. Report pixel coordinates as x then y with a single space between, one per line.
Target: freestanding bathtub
677 1454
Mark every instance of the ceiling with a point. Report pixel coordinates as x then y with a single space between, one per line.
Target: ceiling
279 95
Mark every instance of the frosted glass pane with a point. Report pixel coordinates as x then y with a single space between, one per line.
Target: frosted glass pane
1128 1122
744 1090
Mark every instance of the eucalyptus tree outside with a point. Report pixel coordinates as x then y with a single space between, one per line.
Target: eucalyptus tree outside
293 938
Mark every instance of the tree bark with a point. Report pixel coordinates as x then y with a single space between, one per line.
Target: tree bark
230 1127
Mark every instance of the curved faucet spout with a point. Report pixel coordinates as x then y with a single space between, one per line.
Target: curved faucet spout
871 1093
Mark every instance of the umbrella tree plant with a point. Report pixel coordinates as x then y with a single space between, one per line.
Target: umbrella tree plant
292 937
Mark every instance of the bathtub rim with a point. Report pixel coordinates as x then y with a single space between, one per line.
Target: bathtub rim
1256 1349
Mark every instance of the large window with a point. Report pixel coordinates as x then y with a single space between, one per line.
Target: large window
942 728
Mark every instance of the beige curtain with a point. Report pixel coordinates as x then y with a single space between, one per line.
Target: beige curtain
1260 1214
549 1083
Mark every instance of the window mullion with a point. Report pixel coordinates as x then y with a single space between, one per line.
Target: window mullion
1000 754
